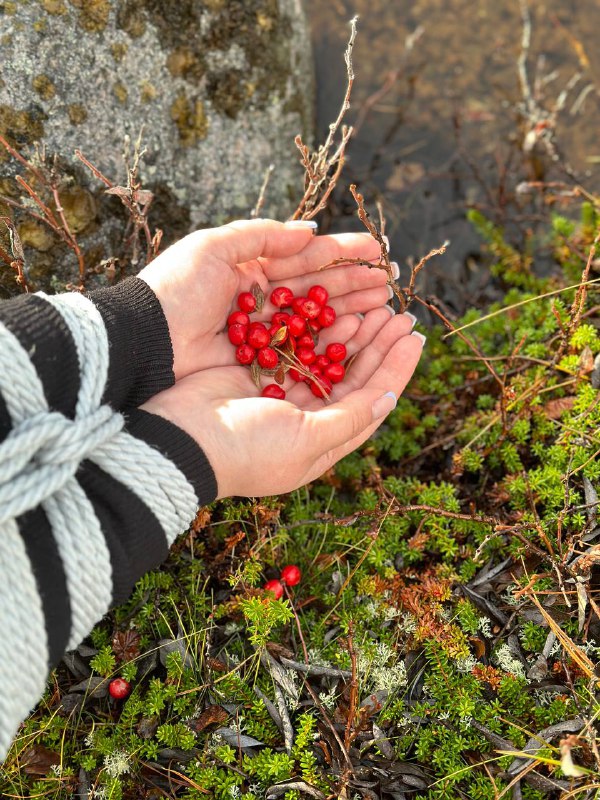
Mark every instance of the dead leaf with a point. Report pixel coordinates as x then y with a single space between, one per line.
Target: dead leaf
38 760
213 715
126 645
258 295
586 360
554 408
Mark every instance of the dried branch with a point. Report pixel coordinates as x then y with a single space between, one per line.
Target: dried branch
263 192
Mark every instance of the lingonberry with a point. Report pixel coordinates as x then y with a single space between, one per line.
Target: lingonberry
314 326
280 318
320 386
258 336
282 296
237 333
267 358
296 325
319 294
274 391
297 304
306 355
322 362
245 354
238 318
119 688
309 309
275 587
336 351
246 302
335 372
290 575
295 375
306 340
327 317
316 371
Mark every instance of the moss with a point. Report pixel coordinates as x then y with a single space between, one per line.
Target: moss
40 25
77 113
8 7
93 14
118 50
54 6
34 234
190 118
228 91
148 92
120 92
44 87
20 127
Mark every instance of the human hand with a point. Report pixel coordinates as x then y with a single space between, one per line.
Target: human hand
260 446
197 281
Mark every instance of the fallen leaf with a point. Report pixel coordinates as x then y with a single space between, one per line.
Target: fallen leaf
554 408
38 760
213 715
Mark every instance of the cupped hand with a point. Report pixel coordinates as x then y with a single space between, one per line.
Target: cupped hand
197 281
260 446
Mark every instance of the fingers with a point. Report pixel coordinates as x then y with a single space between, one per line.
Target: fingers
323 250
372 323
339 280
361 302
341 427
246 240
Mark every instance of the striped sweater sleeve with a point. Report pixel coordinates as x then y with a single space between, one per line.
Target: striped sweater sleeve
92 490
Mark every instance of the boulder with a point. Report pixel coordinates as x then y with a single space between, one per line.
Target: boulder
219 89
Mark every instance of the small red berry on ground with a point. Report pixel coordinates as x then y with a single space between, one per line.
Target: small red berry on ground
336 351
291 575
119 688
246 302
267 358
245 354
275 587
274 391
282 296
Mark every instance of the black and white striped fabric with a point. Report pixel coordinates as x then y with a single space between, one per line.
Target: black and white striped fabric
93 490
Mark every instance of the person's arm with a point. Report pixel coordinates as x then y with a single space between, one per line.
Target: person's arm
89 499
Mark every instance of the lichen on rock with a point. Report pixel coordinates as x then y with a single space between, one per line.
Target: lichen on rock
221 88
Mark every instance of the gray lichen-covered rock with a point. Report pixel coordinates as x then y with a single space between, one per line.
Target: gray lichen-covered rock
221 87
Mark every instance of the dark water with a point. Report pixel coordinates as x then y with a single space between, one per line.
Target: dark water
449 134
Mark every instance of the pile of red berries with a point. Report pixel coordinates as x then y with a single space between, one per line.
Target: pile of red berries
288 343
290 576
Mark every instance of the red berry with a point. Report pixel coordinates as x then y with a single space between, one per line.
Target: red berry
280 318
282 297
281 331
327 317
258 336
246 302
336 351
321 386
319 294
245 354
275 587
274 391
316 371
238 318
296 376
296 325
290 575
335 372
267 358
297 304
305 355
237 334
314 325
119 688
306 340
310 309
322 362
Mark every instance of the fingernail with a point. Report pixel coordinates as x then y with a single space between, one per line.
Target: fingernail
395 269
387 242
384 405
390 291
411 317
359 315
390 309
419 336
303 223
